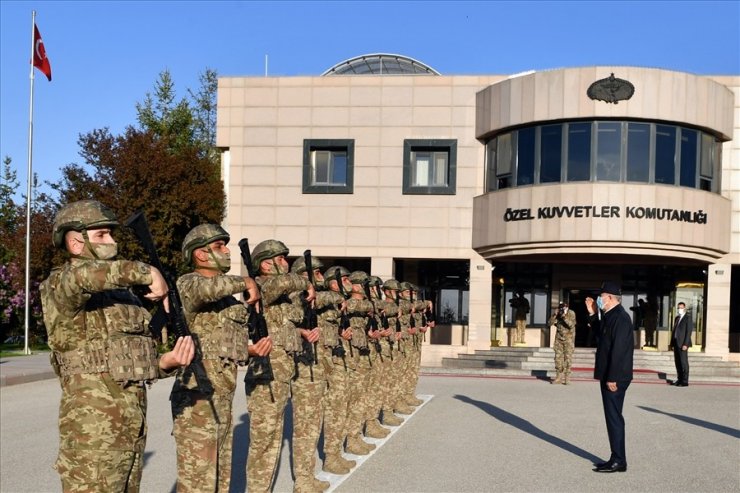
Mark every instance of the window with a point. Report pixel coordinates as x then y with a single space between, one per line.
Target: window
491 165
429 167
689 149
328 166
579 152
608 151
665 154
525 157
638 152
551 153
503 165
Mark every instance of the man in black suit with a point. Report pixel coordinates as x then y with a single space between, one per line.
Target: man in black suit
681 341
613 367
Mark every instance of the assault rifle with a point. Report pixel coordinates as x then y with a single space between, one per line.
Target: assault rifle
372 322
309 355
398 323
256 324
175 317
343 318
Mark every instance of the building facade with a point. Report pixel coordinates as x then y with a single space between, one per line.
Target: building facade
477 187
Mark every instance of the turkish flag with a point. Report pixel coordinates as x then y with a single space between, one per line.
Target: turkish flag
39 54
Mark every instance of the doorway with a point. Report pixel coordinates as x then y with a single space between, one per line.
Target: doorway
576 299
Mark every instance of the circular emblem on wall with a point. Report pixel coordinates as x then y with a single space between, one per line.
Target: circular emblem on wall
611 90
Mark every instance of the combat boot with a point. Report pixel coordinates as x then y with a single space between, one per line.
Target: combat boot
390 419
309 484
558 379
411 400
402 408
566 379
374 430
333 465
358 446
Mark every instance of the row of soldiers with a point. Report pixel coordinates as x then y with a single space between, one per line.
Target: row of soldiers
342 346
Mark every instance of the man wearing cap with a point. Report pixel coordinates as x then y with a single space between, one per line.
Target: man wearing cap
202 422
95 322
613 367
564 321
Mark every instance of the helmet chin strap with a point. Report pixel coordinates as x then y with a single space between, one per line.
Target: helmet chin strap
217 268
88 246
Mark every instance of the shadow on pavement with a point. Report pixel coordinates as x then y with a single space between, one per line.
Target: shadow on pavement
527 427
733 432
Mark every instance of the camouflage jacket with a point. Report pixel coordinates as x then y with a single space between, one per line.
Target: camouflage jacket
284 312
95 323
327 311
358 311
405 317
215 316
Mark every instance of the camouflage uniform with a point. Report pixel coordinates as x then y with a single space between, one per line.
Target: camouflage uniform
393 358
360 365
332 354
266 401
103 353
202 422
409 356
379 370
564 344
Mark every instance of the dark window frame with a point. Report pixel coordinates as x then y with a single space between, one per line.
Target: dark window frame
431 145
311 145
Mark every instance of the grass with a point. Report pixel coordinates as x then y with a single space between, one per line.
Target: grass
17 349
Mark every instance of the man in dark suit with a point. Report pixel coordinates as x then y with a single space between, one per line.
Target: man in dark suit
613 367
681 341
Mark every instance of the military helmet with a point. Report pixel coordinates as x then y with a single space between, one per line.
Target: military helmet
375 280
392 284
200 236
329 274
266 250
299 265
404 286
79 216
358 277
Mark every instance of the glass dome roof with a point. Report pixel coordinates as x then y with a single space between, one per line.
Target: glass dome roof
381 64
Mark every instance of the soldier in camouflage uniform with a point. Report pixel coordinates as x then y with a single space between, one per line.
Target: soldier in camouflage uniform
406 309
307 392
102 352
421 308
331 306
392 309
380 362
564 345
282 297
392 357
359 309
202 422
411 318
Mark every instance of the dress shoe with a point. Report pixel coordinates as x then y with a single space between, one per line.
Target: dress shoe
613 467
682 384
603 464
675 383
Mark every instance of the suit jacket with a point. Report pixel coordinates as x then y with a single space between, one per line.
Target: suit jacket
682 331
615 350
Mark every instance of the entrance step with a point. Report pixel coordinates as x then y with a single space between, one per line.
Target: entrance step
540 362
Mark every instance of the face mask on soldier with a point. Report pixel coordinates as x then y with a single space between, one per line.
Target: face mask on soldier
221 261
104 251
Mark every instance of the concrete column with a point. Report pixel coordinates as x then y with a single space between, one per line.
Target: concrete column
479 314
717 326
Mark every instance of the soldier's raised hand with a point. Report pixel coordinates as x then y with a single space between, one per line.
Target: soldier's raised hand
181 355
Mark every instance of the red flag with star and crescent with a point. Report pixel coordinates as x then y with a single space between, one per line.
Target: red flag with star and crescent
40 61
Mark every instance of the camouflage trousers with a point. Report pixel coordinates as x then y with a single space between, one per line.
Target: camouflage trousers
398 370
307 392
359 380
203 434
563 346
408 372
102 434
336 402
377 389
521 331
266 406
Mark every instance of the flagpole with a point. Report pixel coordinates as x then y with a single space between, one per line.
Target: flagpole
29 179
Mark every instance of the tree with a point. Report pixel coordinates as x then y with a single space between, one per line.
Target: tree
8 209
204 113
172 184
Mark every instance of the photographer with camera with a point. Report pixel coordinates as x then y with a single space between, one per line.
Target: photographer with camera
564 321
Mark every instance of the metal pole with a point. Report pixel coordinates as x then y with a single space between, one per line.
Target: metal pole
29 179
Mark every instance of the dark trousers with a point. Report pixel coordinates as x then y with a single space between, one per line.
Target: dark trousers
613 403
682 363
